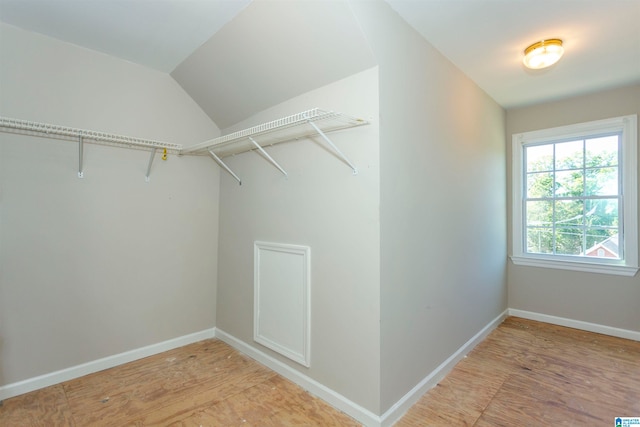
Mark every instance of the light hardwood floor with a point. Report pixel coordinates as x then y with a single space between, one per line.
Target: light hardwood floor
524 373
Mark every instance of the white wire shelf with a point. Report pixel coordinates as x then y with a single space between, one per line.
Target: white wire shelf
314 122
289 128
301 125
47 130
64 132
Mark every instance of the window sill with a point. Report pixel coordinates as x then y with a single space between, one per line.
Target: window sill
587 267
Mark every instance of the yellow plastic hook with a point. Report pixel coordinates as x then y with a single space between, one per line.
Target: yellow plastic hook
164 154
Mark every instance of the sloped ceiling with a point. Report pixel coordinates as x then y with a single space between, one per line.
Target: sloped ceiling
486 40
157 34
271 52
238 57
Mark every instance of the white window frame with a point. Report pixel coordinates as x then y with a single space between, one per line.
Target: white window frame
628 266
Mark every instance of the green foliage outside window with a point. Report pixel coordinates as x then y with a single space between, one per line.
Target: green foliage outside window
572 196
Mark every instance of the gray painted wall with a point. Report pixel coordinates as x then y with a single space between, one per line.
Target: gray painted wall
596 298
97 266
408 257
324 206
442 203
435 263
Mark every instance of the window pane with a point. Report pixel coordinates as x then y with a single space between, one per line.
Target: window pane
602 243
539 213
602 151
569 241
569 184
539 158
602 213
539 185
602 182
569 212
569 155
539 240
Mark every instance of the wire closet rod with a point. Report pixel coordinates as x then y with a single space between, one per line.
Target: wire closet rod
99 137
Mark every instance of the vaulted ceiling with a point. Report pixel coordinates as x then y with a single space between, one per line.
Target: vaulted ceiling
157 34
238 57
271 52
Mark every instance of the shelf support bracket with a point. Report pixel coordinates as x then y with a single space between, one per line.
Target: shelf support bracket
336 149
153 154
268 157
221 163
80 156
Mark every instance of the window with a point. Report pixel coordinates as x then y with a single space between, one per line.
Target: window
575 197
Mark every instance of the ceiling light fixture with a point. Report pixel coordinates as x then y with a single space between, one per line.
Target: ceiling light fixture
543 54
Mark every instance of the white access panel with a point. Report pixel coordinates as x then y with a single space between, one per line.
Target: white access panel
282 282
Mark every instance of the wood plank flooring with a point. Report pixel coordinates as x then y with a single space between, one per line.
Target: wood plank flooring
524 373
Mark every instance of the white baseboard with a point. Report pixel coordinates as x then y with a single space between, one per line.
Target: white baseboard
349 407
333 398
31 384
576 324
393 414
330 396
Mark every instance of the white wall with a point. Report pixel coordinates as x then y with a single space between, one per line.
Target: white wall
443 226
97 266
324 206
595 298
